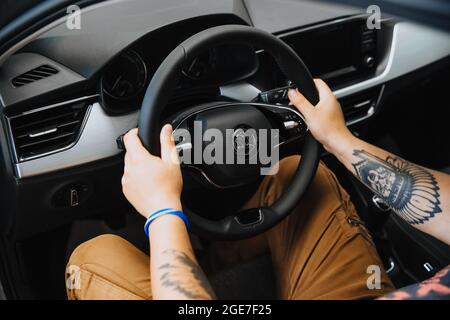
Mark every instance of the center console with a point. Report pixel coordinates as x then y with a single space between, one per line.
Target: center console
340 52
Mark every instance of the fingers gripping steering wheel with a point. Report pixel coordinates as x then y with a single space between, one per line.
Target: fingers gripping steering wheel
230 115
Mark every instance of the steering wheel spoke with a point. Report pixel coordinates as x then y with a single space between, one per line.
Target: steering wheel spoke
288 121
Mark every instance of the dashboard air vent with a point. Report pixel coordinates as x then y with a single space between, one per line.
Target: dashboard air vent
47 130
38 73
358 105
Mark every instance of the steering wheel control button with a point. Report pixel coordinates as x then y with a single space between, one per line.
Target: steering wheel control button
184 146
279 95
120 143
288 125
291 124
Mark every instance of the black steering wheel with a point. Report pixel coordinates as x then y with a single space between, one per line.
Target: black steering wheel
233 115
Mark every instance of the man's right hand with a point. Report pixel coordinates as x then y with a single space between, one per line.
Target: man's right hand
325 120
424 201
152 183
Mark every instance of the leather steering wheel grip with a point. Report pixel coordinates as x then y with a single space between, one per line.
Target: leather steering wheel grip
164 83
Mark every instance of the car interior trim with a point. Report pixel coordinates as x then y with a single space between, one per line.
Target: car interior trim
241 91
407 54
10 134
97 141
404 56
369 113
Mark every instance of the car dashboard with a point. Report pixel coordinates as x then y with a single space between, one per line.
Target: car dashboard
67 95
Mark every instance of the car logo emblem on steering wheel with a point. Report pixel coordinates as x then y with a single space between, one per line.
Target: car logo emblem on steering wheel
245 141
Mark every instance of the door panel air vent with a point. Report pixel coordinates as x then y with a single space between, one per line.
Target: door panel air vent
36 74
48 130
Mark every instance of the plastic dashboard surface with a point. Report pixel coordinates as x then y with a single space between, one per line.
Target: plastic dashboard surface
296 14
111 26
407 54
409 50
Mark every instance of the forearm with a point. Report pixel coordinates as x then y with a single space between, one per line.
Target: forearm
151 183
418 195
175 273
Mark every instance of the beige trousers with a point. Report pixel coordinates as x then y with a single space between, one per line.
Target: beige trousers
320 251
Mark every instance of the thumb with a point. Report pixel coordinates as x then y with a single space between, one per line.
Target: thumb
132 142
301 103
168 150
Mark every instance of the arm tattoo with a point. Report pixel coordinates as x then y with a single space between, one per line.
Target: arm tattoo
436 288
409 190
184 275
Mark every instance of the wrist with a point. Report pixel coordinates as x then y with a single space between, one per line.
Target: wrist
153 206
165 223
340 144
